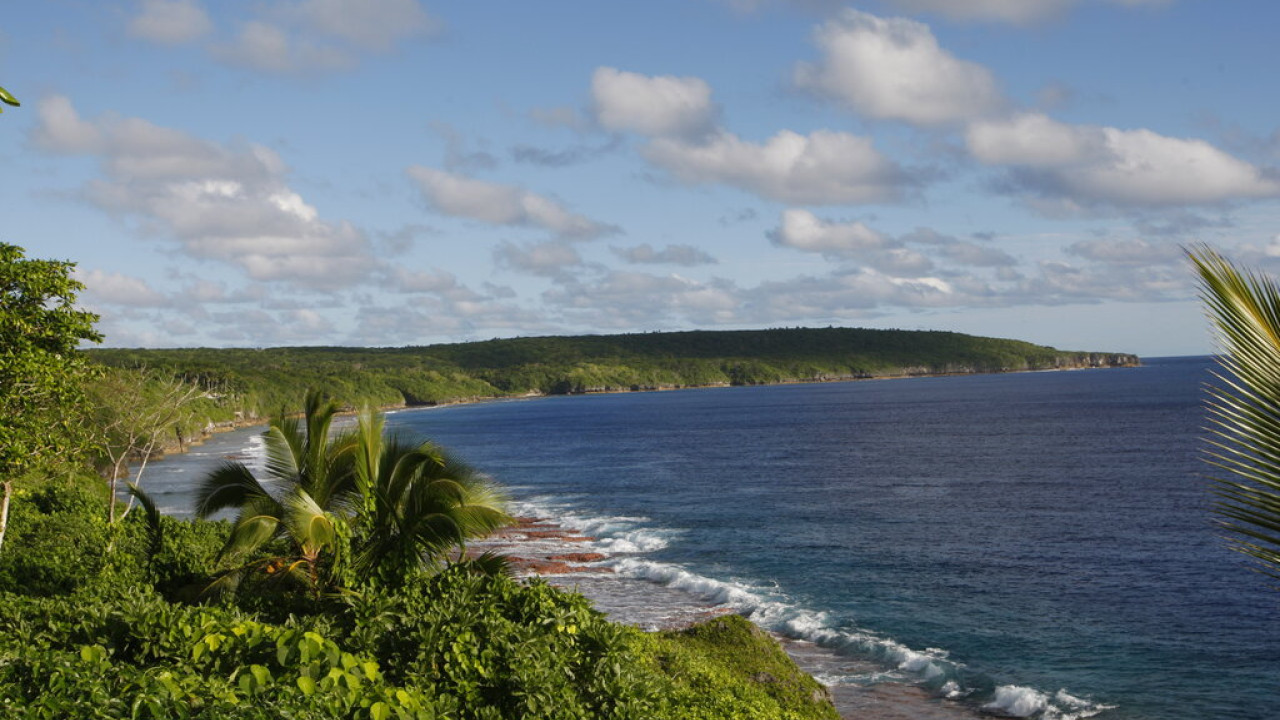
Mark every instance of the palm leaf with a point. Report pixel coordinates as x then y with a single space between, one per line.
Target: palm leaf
155 528
1244 405
309 525
230 485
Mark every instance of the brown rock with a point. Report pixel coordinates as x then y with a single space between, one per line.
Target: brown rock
578 557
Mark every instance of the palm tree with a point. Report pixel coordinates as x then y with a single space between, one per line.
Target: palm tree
417 504
308 484
381 507
1245 405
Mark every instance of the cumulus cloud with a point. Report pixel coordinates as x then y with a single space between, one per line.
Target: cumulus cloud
1010 11
224 203
645 254
894 69
854 241
822 168
627 300
319 35
802 230
551 258
1018 12
1092 165
653 106
170 22
117 289
499 204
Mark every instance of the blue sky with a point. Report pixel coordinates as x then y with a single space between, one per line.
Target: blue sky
392 172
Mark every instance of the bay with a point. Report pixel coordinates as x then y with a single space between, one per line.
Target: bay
1036 544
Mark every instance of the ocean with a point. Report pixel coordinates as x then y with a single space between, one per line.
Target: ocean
1032 545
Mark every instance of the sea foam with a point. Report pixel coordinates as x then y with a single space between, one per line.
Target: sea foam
626 539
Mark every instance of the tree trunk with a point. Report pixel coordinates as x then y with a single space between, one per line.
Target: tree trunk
4 509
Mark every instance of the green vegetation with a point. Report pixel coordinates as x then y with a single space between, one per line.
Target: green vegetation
110 620
265 380
1245 404
41 372
346 591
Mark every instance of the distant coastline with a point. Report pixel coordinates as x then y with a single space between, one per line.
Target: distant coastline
261 382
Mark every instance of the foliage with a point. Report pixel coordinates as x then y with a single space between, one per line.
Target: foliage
729 668
380 508
132 414
415 503
455 645
41 370
8 99
309 479
266 379
1245 404
57 541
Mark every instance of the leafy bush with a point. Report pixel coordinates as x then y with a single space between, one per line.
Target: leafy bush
729 668
57 540
506 650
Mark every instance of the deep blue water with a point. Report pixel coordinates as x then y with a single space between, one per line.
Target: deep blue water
1040 544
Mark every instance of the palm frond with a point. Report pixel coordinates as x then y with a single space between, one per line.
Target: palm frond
155 528
250 534
308 524
1244 408
489 564
285 448
230 485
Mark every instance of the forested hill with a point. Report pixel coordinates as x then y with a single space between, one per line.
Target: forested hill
267 379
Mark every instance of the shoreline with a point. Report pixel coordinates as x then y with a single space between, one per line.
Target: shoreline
183 445
541 547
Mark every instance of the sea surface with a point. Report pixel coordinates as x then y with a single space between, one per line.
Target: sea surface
1033 545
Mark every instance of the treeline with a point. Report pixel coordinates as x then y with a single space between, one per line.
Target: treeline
263 381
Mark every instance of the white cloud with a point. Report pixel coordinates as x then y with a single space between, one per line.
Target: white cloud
822 168
1010 11
550 258
627 300
267 47
499 204
802 230
1089 165
652 105
1018 12
321 35
894 69
1034 139
109 288
170 22
370 24
687 255
62 131
225 203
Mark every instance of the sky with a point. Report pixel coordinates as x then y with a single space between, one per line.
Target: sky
395 172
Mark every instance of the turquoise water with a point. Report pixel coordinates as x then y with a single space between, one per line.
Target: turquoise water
1037 545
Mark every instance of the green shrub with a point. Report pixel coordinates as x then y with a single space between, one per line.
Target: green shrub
57 540
729 668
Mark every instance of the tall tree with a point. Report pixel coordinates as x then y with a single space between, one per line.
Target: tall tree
1245 404
41 371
